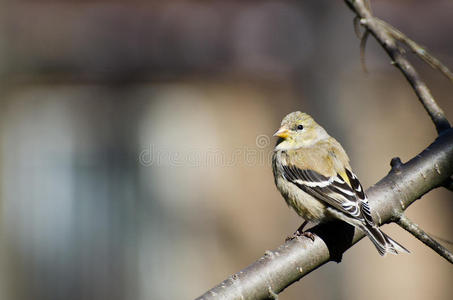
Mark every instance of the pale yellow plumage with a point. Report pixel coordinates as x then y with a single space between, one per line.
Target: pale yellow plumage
312 172
326 157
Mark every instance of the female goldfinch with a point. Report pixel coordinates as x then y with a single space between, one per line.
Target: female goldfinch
312 172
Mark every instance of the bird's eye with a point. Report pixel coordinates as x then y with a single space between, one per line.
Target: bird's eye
300 127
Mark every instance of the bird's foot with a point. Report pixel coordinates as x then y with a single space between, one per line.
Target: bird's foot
298 233
308 234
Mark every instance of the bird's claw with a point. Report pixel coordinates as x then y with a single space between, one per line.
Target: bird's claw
308 234
296 234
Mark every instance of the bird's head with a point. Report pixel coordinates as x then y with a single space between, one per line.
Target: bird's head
298 130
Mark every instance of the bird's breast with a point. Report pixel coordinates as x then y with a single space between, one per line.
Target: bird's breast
305 205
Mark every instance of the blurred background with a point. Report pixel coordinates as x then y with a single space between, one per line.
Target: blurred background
135 142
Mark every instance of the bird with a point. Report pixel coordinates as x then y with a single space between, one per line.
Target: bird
312 172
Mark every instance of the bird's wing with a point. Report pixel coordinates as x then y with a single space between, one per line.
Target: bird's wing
348 197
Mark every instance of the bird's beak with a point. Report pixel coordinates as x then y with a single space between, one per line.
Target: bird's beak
283 132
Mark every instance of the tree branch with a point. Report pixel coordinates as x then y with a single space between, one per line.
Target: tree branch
387 36
279 268
416 231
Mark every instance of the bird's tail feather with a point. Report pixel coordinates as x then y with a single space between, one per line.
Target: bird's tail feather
383 243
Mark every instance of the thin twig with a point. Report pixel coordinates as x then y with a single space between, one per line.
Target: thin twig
363 41
417 50
363 37
388 38
356 22
416 231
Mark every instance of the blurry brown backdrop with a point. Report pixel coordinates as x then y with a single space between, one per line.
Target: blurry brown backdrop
135 140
